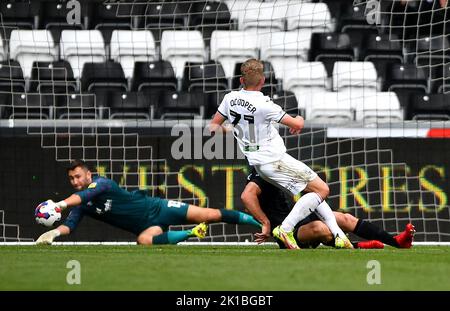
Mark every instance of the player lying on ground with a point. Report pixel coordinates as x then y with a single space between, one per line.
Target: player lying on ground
147 217
252 115
269 205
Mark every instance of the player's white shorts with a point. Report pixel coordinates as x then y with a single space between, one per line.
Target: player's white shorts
288 173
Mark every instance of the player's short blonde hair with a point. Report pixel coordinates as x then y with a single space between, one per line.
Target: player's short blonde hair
252 70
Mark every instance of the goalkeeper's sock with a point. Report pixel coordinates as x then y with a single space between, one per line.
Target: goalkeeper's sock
324 212
369 231
302 209
236 217
171 237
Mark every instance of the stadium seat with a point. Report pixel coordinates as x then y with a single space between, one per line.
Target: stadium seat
82 46
354 77
281 49
271 82
382 50
130 46
288 102
306 78
430 107
324 107
179 47
29 106
132 105
181 105
17 15
153 77
3 53
98 77
269 16
238 9
440 78
379 107
429 51
315 16
52 77
28 46
406 76
231 47
78 106
329 48
207 16
204 77
11 77
110 16
162 16
53 17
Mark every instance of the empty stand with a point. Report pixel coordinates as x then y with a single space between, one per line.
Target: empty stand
11 77
52 77
355 77
204 77
154 77
108 76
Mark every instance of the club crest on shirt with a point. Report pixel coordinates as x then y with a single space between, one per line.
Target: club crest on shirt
92 185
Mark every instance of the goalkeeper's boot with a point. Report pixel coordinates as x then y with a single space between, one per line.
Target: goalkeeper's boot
370 244
406 238
200 230
342 242
286 237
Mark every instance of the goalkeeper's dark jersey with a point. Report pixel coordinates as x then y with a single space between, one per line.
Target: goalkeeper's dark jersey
272 200
106 201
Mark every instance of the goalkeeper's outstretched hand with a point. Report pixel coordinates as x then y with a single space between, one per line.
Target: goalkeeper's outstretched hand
48 237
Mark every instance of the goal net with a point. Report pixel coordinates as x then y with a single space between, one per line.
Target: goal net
109 81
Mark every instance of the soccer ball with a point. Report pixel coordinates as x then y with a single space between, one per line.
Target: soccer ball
47 213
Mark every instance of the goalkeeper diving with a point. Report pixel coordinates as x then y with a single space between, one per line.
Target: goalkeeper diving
147 217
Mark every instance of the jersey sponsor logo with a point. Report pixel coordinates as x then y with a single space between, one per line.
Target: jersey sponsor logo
107 208
92 185
175 204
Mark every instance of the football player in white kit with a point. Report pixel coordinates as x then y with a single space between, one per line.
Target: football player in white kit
252 115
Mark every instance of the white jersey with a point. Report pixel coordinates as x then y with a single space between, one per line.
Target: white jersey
252 114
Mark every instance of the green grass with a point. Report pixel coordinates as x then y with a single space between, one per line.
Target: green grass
221 268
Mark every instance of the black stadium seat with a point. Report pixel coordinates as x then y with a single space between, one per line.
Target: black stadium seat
204 77
329 48
109 16
287 101
17 14
440 76
11 77
78 106
29 106
154 77
132 105
208 16
53 17
52 77
181 105
103 77
430 107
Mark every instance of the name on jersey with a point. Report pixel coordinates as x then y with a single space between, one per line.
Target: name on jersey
243 103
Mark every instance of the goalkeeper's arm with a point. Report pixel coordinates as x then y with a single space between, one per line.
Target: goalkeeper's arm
73 200
49 236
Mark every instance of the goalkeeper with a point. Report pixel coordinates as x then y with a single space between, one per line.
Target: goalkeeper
268 204
147 217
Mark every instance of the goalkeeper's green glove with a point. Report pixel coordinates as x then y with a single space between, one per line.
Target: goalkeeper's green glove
48 237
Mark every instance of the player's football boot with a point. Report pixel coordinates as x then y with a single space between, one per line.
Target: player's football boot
342 242
406 238
370 244
286 237
200 230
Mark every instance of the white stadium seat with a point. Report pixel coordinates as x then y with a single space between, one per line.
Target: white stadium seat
281 48
82 46
28 46
315 16
2 50
231 47
378 107
355 77
270 16
306 77
325 107
130 46
179 47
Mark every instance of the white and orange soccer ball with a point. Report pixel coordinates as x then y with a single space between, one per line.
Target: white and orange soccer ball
47 213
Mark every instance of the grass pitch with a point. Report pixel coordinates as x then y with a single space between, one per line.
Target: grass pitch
221 268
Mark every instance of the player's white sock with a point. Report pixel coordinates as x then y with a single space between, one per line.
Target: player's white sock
302 209
324 212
